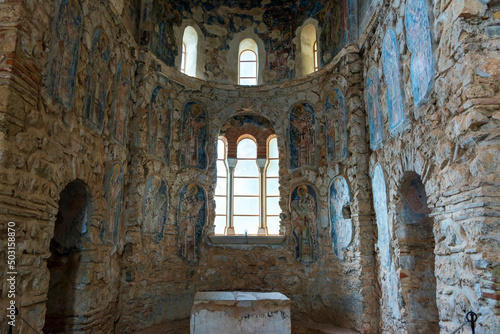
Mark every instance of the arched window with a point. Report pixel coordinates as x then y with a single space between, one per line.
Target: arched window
248 62
189 51
247 189
309 49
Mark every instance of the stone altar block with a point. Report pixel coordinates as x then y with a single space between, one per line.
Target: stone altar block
240 312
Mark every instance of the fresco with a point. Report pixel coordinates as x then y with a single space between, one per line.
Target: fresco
191 217
194 136
66 50
159 120
113 190
304 208
336 126
97 83
375 118
158 18
341 226
415 206
121 103
366 10
418 38
352 17
154 207
302 136
390 60
380 205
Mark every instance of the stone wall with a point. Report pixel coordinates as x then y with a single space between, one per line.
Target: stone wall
449 140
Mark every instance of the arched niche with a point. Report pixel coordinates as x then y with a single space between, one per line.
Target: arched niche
75 210
416 256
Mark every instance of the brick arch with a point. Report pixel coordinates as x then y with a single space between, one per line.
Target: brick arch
258 127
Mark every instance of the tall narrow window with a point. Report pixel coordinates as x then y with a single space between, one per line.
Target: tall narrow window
246 189
221 189
272 188
309 49
315 55
248 62
183 58
189 51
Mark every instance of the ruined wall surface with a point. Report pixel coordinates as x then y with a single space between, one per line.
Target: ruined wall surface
274 22
449 137
158 284
47 141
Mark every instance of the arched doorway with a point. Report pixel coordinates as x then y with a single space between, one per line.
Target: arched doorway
63 264
416 260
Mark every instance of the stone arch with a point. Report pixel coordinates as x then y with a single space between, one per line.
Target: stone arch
75 211
415 238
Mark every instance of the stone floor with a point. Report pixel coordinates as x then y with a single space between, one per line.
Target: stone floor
182 327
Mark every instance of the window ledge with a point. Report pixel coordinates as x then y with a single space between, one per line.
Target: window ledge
249 239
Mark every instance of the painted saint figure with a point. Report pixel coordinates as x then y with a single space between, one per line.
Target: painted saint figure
155 207
336 126
302 137
303 207
191 220
159 116
121 103
61 84
340 222
97 85
375 117
113 187
390 59
194 132
420 45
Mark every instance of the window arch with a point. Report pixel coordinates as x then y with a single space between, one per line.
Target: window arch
248 63
247 189
189 50
309 49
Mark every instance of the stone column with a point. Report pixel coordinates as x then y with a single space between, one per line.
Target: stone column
231 163
261 164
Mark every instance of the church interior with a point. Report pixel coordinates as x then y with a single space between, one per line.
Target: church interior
344 153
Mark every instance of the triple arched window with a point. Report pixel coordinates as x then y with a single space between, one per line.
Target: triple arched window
247 190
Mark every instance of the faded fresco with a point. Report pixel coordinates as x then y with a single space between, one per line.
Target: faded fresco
72 218
336 126
304 210
275 26
66 50
158 18
97 84
390 60
415 208
366 10
113 190
191 218
302 137
340 218
159 120
154 207
194 136
380 205
418 38
375 117
121 103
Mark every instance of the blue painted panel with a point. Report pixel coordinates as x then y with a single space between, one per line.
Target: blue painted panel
336 126
380 205
418 38
375 118
341 227
390 59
